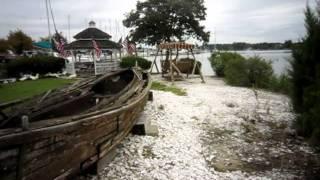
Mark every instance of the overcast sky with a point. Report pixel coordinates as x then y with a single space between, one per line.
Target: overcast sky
232 20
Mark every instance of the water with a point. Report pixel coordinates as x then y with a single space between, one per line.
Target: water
279 60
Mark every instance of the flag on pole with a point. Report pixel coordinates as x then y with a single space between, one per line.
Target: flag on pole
58 44
96 48
129 46
125 43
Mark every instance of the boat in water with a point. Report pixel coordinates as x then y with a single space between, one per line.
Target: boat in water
60 134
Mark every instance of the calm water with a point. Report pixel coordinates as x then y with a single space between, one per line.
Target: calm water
278 58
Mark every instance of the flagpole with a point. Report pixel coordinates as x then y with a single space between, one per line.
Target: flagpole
69 37
48 19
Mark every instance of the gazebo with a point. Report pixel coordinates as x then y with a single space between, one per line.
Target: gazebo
171 66
83 43
83 53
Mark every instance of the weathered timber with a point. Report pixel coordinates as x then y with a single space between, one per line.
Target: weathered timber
68 144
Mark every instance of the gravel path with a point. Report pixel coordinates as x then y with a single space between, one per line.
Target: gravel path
216 132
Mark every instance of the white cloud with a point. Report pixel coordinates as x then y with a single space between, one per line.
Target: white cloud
233 20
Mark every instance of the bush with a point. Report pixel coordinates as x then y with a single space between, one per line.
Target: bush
35 65
220 60
259 72
236 72
280 84
250 72
130 61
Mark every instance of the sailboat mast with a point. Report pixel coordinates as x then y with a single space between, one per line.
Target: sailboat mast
69 37
215 39
48 19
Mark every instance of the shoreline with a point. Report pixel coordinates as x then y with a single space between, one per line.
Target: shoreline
215 132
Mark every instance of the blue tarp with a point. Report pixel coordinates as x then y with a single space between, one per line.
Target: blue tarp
43 45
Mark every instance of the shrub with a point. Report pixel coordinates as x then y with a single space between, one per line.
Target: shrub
236 72
35 65
130 61
239 71
219 61
280 84
259 72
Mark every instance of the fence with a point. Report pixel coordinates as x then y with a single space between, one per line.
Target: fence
106 66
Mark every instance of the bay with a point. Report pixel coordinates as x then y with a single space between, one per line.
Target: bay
279 60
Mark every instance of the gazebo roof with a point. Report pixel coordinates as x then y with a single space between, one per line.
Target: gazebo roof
88 44
92 33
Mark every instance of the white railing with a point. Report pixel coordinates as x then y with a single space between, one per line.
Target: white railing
102 67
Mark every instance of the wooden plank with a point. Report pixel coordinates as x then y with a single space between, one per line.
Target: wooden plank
81 137
46 156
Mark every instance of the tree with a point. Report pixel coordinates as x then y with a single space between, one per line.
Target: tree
4 46
305 76
155 21
45 38
287 44
19 41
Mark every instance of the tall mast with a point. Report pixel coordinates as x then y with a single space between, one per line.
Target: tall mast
215 39
48 19
54 23
69 37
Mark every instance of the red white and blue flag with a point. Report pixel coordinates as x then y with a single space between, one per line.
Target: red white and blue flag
59 44
129 46
96 48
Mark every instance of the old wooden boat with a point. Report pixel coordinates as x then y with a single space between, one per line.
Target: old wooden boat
64 134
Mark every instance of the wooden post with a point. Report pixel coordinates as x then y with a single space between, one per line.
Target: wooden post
94 63
170 60
200 72
196 65
154 63
177 69
22 149
177 54
195 62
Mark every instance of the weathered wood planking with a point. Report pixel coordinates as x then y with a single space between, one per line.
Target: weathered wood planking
61 147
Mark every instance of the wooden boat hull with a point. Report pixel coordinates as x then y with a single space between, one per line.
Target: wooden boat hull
67 146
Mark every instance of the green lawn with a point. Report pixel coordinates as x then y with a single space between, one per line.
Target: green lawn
25 89
162 87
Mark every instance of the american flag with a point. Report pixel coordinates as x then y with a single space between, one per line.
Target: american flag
125 43
96 48
129 46
59 44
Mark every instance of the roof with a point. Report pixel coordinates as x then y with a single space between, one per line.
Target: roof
43 45
176 45
92 33
87 44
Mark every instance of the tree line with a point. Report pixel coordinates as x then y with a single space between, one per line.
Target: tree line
238 46
17 41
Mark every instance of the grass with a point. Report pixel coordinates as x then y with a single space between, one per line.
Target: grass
25 89
162 87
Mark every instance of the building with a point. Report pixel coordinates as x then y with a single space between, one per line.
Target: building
84 60
82 48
